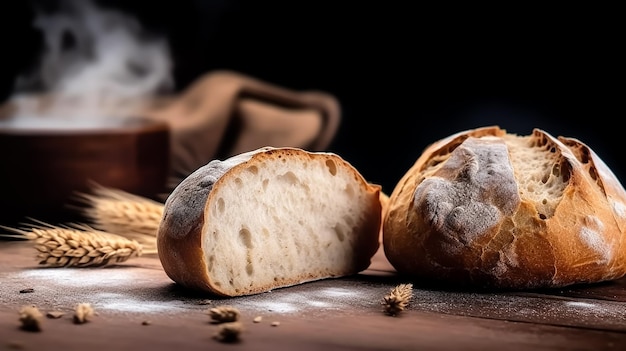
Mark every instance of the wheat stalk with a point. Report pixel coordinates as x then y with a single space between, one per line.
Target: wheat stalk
78 245
116 211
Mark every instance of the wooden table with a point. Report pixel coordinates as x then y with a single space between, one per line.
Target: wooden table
138 307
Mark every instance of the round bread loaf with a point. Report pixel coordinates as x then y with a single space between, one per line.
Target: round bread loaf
269 218
486 208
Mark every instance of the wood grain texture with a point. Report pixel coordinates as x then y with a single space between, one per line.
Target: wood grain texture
334 314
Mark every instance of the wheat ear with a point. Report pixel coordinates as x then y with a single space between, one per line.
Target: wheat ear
398 299
78 245
116 211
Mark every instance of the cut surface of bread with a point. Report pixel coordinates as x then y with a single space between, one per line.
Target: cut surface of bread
491 209
269 218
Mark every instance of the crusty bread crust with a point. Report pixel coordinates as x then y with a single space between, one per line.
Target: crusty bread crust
179 238
464 214
189 221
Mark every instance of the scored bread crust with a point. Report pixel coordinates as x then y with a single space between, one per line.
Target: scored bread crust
191 220
470 212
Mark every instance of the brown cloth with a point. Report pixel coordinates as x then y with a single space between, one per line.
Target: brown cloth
225 113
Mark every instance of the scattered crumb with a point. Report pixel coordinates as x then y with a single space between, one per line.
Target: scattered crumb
257 319
83 313
223 314
31 317
55 314
27 290
205 302
398 299
275 324
229 332
146 323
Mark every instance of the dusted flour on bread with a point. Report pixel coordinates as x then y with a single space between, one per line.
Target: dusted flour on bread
470 192
491 209
190 197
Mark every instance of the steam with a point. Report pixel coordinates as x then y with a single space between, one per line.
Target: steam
96 63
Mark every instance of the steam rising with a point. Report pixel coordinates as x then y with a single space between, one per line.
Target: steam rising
97 63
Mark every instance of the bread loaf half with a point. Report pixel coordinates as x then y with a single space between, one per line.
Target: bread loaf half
266 219
486 208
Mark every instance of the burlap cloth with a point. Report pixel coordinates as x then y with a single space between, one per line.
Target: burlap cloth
225 113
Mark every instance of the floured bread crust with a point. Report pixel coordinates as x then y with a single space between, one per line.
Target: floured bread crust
179 239
269 218
489 209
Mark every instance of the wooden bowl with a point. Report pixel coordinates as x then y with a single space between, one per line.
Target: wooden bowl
46 164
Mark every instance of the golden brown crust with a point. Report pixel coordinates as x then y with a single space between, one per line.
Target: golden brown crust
189 270
180 231
507 243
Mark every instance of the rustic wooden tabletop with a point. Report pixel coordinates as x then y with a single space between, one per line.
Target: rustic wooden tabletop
138 307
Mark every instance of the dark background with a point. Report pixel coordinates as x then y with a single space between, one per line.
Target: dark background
405 73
